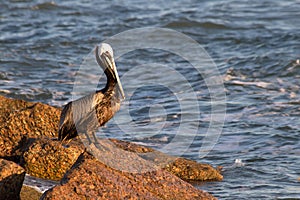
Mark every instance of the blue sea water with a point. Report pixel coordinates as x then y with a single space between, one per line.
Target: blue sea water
254 44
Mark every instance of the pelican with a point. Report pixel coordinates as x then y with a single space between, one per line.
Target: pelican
88 113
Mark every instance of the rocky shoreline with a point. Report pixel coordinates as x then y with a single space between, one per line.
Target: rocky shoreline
125 170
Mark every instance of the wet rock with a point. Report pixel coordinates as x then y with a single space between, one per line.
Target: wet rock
21 120
183 168
49 159
28 193
192 171
91 179
11 180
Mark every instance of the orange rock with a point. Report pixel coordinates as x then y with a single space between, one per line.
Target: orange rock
114 184
183 168
49 159
11 179
21 120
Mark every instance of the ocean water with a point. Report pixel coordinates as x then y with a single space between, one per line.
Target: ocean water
46 51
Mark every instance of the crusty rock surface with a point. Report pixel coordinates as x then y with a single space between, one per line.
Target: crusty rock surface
29 193
11 180
49 159
21 120
91 179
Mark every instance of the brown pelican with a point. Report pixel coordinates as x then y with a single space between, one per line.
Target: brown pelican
86 114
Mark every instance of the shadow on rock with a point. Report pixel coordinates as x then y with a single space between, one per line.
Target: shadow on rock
11 179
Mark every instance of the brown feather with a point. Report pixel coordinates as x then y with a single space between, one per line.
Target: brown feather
90 112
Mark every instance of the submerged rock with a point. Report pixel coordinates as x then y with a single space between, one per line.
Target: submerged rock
21 120
91 179
11 180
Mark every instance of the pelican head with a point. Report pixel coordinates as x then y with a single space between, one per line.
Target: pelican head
105 58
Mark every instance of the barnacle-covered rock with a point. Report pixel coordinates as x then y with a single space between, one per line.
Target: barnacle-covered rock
21 120
49 159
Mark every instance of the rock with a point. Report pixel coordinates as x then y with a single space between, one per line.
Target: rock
183 168
28 193
132 147
120 170
190 170
91 179
49 159
11 180
21 120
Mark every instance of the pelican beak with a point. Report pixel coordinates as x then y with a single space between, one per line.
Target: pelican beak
119 82
112 66
106 61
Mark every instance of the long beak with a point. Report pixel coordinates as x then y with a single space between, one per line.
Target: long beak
119 82
110 64
115 72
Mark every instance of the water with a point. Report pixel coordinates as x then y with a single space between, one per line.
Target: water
254 44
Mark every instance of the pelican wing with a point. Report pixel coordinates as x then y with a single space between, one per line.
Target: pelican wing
79 115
